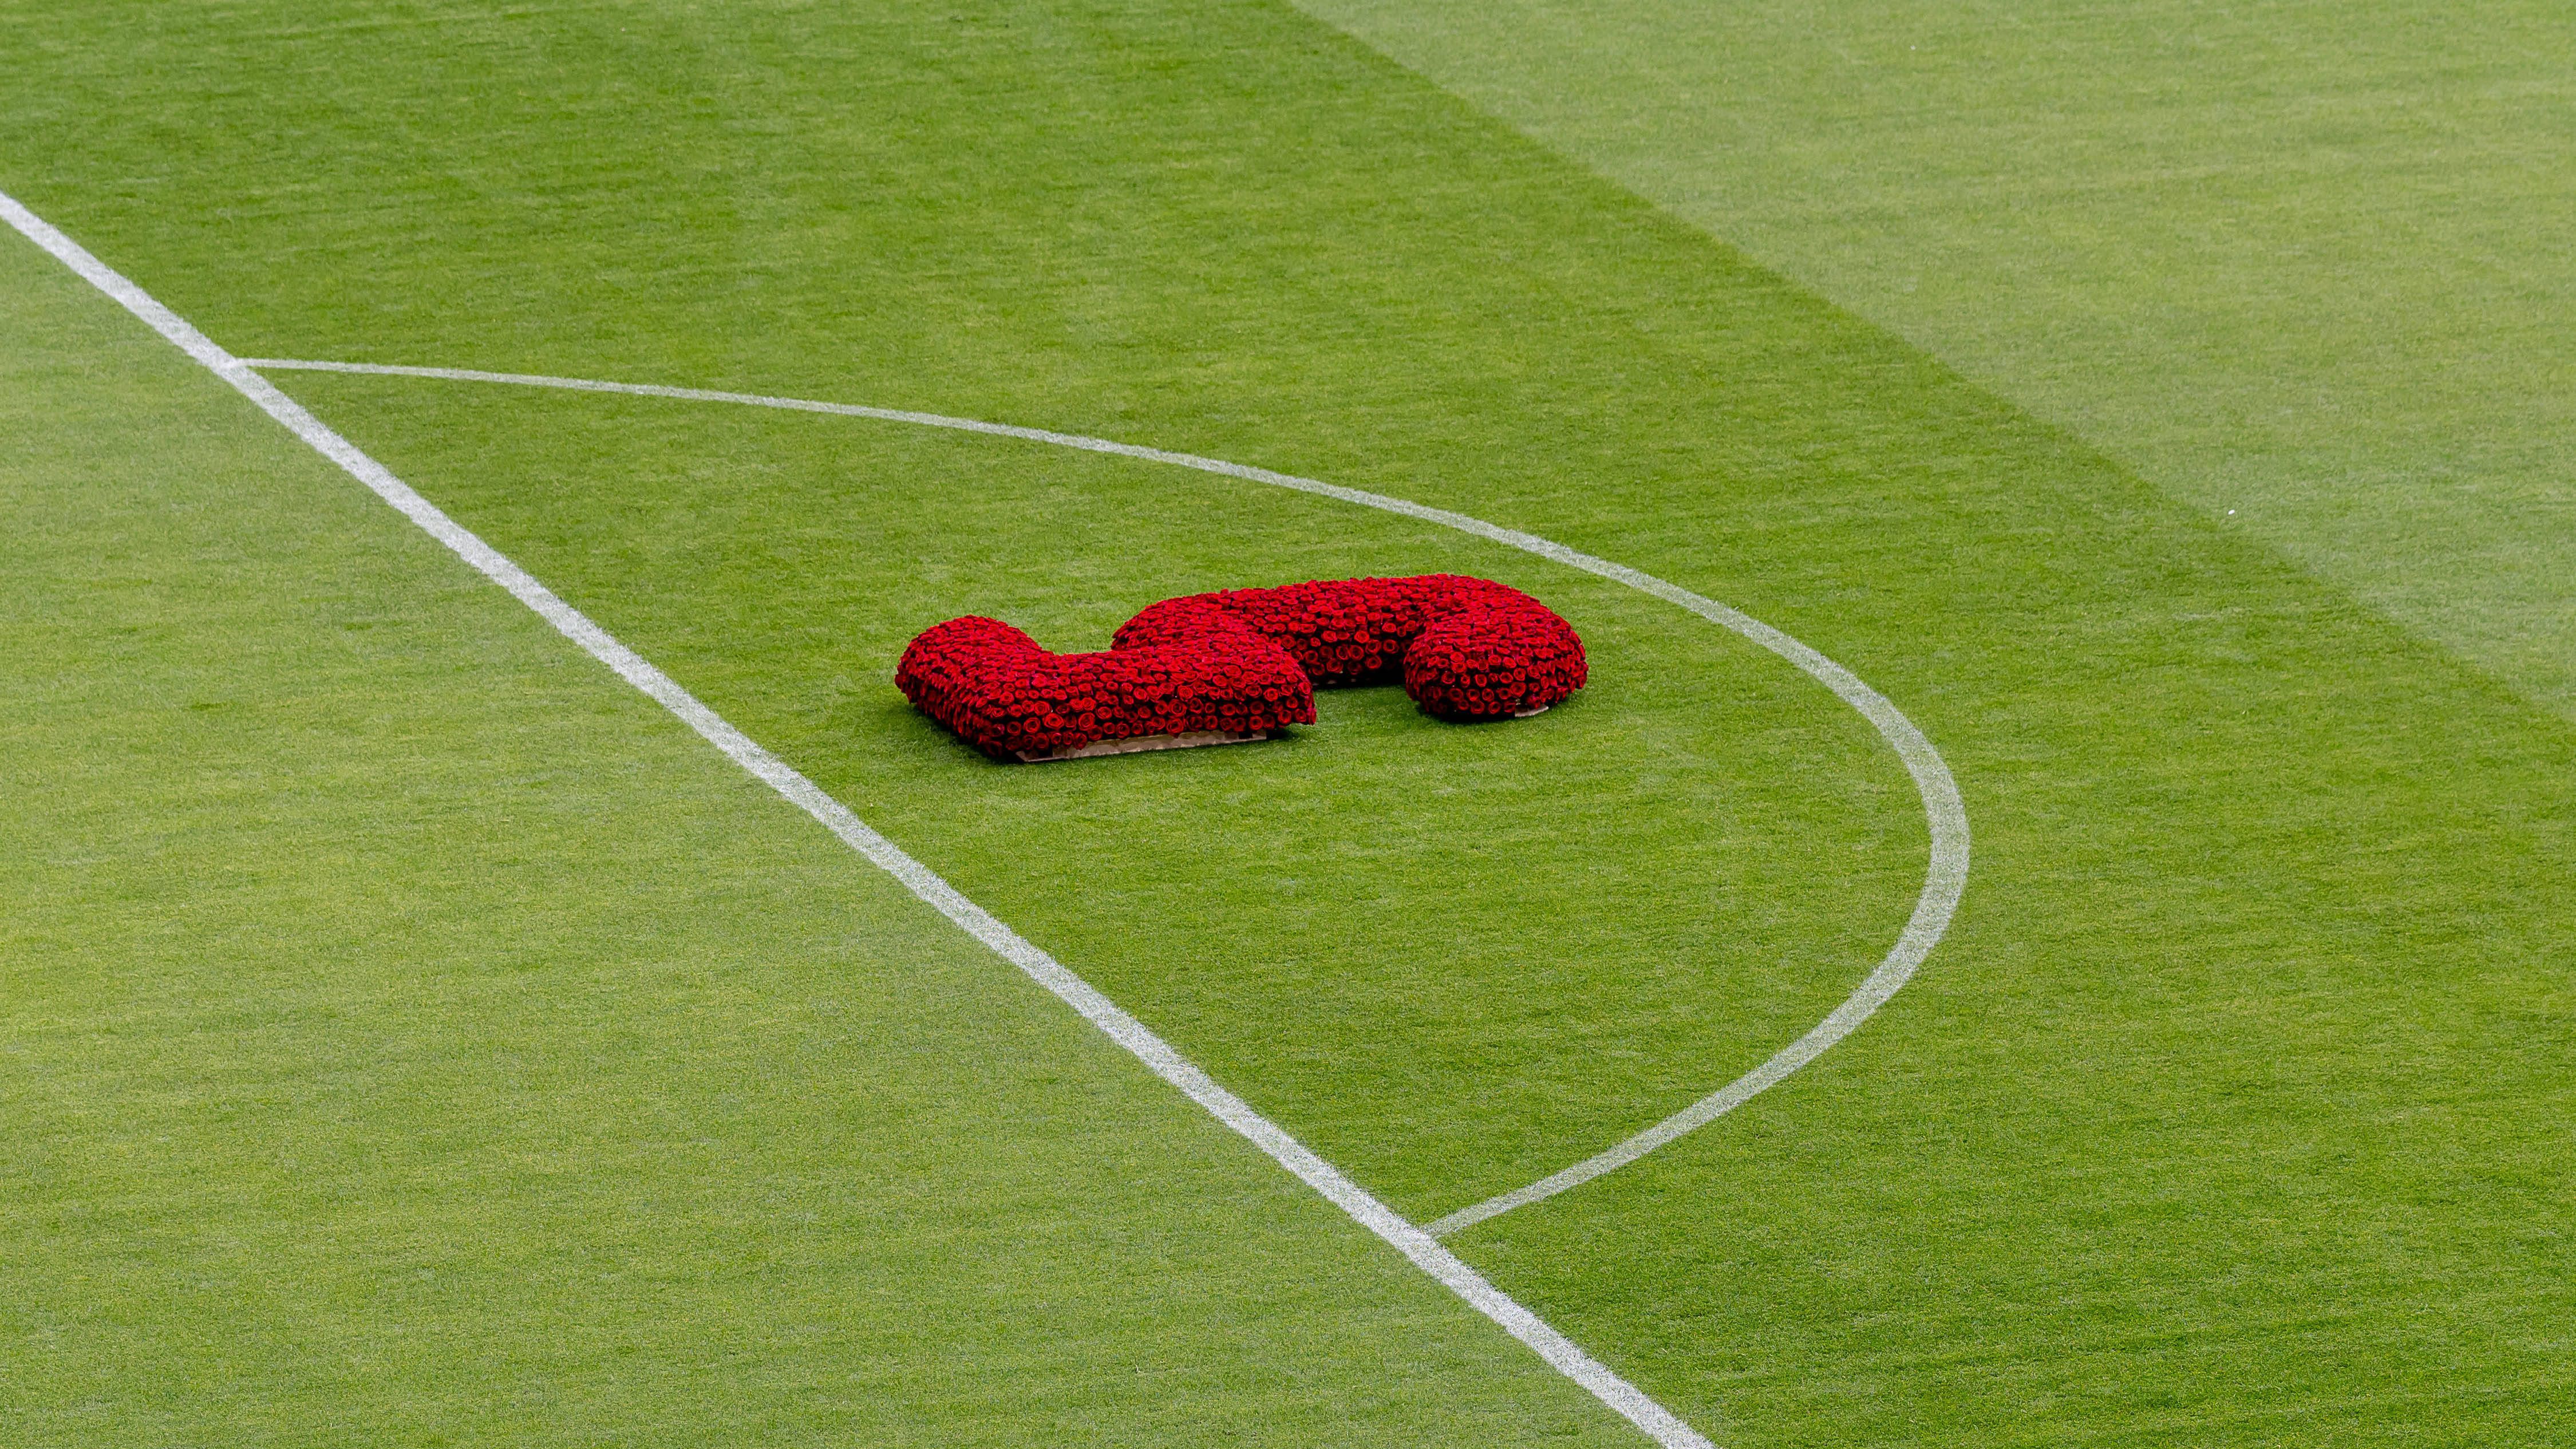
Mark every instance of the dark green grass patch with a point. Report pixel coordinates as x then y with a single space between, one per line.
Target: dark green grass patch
2235 1108
1453 959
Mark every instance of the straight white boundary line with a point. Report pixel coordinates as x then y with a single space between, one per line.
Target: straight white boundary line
1945 876
1561 1353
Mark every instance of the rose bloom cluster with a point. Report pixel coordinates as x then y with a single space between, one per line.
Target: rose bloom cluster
1003 693
1465 648
1483 662
1246 660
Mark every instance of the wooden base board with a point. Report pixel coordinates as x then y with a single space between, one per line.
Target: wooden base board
1186 740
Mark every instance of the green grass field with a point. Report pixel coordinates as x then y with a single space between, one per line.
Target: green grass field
415 1035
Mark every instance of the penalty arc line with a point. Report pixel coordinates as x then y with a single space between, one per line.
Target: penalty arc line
1945 876
1418 1247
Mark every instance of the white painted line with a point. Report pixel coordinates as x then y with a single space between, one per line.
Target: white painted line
1561 1353
1945 877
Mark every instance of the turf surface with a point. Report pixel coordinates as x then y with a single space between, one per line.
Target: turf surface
414 1036
2307 266
2234 1110
1408 932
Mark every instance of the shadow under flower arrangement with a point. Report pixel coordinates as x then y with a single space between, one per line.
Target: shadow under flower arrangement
1240 664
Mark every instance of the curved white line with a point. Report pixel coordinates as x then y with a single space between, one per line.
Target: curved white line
1418 1247
1944 879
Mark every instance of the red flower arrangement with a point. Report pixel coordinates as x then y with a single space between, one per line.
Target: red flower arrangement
1243 661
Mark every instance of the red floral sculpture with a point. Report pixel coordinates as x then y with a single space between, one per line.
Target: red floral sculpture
1243 661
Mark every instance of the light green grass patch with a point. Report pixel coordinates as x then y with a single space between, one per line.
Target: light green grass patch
414 1036
2305 266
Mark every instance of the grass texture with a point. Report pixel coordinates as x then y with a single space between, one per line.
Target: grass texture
414 1036
2305 266
2233 1111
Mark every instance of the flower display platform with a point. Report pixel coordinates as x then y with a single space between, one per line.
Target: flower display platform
1237 665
